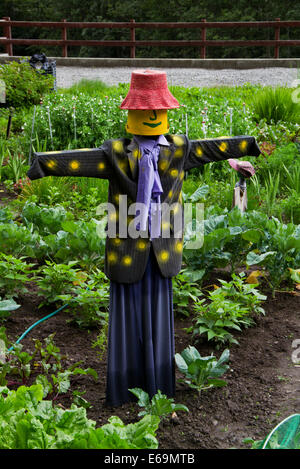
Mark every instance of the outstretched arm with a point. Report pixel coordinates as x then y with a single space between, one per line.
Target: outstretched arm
89 162
218 149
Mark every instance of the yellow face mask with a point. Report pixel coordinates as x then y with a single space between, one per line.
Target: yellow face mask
146 122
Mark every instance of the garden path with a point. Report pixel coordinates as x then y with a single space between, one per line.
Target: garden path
67 76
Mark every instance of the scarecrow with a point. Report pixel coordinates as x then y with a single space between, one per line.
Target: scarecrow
147 170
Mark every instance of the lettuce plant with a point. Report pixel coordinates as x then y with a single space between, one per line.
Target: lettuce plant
29 422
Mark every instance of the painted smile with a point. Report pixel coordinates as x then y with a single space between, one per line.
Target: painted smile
151 125
152 119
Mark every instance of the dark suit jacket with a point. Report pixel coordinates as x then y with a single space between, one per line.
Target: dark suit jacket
117 160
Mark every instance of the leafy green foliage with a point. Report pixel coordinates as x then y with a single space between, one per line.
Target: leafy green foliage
244 293
17 240
44 219
78 121
29 422
56 279
227 240
160 405
88 305
16 168
237 239
47 366
14 275
184 291
77 240
202 373
231 307
277 251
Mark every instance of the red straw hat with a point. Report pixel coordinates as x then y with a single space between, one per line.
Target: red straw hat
149 90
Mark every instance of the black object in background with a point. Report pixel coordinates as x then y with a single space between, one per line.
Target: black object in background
42 65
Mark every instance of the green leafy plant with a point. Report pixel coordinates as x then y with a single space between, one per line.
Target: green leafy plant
88 301
295 275
55 376
17 240
184 291
56 279
231 307
160 405
17 364
29 422
87 305
77 240
278 251
16 167
202 373
2 156
14 275
239 291
44 219
46 365
227 240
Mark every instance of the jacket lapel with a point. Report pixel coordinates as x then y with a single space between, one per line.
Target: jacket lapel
133 155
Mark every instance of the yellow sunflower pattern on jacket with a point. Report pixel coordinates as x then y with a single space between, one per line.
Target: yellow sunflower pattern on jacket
117 160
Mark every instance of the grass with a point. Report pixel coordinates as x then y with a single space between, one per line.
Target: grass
275 104
89 87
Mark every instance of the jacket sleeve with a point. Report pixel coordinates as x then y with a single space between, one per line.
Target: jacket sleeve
90 162
201 152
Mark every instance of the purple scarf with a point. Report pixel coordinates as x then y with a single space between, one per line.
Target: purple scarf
149 185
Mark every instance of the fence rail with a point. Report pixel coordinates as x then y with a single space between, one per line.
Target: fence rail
8 41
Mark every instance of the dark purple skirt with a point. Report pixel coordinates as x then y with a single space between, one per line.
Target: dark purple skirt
141 337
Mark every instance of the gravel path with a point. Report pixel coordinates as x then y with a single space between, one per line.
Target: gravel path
67 76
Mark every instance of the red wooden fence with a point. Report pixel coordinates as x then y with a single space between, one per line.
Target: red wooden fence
8 41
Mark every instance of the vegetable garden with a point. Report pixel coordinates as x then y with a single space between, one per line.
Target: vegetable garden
236 298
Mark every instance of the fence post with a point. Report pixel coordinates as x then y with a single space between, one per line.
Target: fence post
277 37
132 38
203 38
7 34
64 38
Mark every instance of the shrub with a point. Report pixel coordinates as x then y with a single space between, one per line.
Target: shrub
24 86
